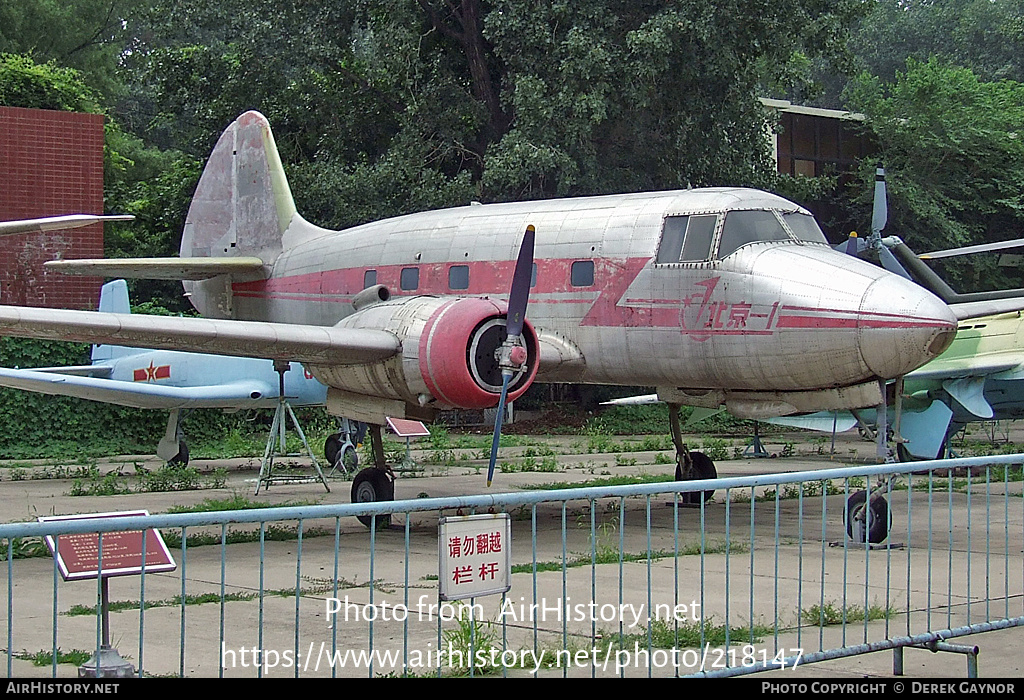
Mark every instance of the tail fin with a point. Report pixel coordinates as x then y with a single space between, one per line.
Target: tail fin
114 300
242 207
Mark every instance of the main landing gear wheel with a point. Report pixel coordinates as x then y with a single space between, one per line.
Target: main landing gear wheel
180 459
703 468
370 486
341 455
861 517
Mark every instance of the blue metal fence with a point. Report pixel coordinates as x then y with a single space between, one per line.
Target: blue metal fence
610 581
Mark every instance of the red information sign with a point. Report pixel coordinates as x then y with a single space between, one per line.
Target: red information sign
78 554
407 428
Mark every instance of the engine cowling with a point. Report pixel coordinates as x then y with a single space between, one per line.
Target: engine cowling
448 358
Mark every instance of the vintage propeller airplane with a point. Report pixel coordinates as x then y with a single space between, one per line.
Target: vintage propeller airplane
167 380
714 296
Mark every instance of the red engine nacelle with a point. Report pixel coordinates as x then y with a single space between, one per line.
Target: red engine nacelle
449 353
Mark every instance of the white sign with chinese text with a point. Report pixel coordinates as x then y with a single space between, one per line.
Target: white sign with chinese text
475 555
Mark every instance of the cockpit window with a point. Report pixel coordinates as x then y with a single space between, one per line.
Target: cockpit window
804 227
742 227
687 238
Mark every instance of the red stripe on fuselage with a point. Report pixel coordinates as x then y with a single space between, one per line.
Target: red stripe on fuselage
612 278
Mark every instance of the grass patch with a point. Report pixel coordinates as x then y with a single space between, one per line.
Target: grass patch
665 635
529 463
25 548
316 587
604 481
235 502
272 533
606 554
75 657
166 478
832 613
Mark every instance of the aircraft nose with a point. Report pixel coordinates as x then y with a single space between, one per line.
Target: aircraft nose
902 326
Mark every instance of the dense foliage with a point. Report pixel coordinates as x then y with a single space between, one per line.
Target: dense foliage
954 154
393 106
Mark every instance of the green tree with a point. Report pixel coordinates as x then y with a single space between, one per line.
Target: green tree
88 35
986 36
25 83
396 105
953 149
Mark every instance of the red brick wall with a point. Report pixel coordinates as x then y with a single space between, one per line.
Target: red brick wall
50 163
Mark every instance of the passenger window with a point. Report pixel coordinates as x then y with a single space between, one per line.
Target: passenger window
410 278
369 278
458 277
742 227
582 273
533 276
687 238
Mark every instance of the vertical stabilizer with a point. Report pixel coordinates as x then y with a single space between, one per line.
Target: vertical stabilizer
242 207
114 300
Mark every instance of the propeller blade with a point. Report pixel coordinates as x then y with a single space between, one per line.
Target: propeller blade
880 209
519 295
506 376
890 263
513 354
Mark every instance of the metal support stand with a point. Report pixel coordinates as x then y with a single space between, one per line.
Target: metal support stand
276 442
756 448
105 662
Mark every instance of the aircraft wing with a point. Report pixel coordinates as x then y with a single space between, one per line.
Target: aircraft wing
276 341
965 311
56 223
964 378
136 394
971 366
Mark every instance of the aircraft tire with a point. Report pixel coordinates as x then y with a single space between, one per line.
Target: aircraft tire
331 447
372 485
180 459
879 518
341 457
703 468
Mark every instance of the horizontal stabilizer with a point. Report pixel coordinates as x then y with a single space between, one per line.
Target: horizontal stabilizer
139 394
57 223
162 268
316 345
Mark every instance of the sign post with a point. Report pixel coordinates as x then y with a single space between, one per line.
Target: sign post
475 555
87 556
407 429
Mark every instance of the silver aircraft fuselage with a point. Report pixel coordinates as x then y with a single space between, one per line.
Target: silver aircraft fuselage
775 314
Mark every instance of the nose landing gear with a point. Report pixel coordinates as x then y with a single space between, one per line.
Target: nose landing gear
690 465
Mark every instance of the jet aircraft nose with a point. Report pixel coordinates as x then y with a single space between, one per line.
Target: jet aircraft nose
902 326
